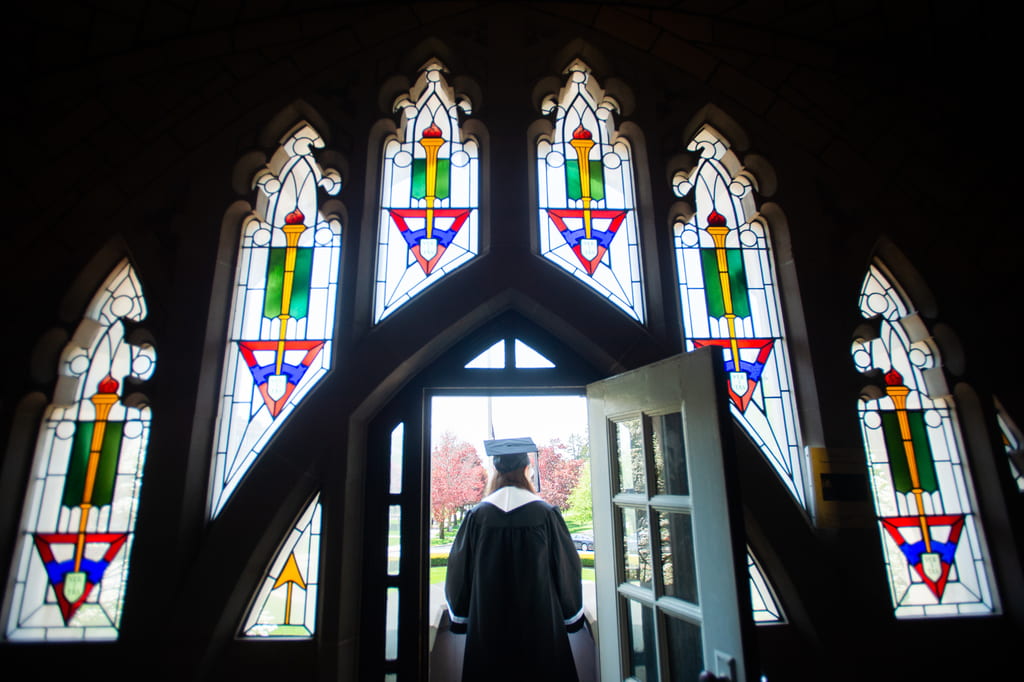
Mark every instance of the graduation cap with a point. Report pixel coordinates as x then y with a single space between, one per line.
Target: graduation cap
510 453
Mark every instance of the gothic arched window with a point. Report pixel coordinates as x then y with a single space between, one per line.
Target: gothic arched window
429 200
935 551
73 554
282 314
586 194
730 298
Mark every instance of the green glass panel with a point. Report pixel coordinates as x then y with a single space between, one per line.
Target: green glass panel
737 283
572 180
299 301
419 178
899 463
106 470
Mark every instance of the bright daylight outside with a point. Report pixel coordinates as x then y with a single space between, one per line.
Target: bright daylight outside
458 474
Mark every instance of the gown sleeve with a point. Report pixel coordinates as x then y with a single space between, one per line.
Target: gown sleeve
458 585
567 573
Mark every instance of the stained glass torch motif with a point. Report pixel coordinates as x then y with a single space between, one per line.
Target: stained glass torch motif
282 316
586 195
72 558
935 549
428 223
730 299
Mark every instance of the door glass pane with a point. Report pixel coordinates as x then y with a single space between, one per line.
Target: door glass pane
636 547
678 569
394 538
669 456
630 456
643 648
391 633
397 442
685 650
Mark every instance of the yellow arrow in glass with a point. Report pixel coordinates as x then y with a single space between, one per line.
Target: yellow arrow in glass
290 576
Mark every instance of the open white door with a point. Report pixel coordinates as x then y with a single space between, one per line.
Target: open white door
672 590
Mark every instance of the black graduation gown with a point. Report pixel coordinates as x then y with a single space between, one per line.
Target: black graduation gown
514 587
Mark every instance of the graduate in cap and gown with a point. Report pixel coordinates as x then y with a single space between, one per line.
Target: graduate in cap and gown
513 583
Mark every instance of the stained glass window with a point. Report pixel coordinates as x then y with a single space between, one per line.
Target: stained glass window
72 557
586 196
764 604
282 315
1013 443
730 298
428 223
285 604
935 550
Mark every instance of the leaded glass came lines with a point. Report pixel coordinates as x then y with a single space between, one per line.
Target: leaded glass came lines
285 604
730 299
72 557
586 196
282 314
935 549
428 223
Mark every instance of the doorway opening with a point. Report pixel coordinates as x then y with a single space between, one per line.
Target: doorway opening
458 427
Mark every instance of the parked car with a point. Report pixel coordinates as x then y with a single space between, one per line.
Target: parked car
583 541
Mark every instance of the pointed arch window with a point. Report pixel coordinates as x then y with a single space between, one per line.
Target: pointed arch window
729 295
72 559
285 603
935 549
282 314
586 194
428 223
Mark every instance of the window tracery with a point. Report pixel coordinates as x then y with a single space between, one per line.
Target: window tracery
586 194
429 223
730 298
72 559
281 324
934 546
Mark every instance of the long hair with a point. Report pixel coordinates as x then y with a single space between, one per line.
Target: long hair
516 477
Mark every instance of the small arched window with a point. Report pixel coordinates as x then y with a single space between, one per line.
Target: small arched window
586 193
936 556
282 313
429 223
72 559
284 606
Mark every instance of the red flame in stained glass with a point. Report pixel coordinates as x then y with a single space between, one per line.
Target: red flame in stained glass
716 219
108 385
582 133
296 217
893 378
432 131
